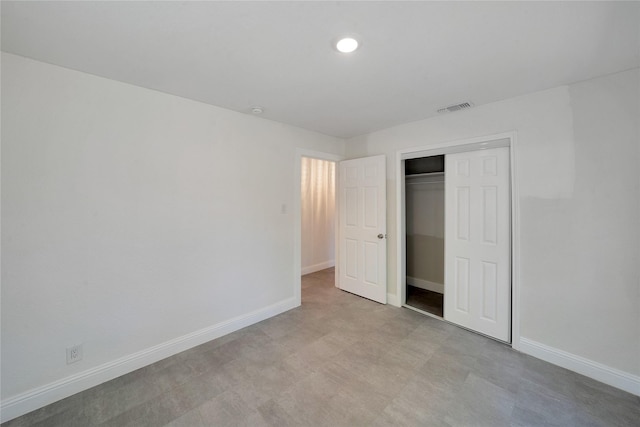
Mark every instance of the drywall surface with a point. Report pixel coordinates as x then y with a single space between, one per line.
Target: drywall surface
576 166
317 205
582 270
425 259
131 217
425 230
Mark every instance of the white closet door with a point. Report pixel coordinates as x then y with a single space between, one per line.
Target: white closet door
363 222
477 242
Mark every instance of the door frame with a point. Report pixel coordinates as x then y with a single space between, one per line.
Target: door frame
297 216
508 139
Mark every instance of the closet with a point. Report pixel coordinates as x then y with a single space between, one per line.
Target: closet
424 196
458 238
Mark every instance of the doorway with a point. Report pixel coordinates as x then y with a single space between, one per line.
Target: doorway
297 215
317 214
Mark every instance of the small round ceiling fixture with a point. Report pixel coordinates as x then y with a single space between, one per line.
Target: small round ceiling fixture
257 110
347 45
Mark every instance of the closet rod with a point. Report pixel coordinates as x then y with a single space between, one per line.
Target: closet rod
424 182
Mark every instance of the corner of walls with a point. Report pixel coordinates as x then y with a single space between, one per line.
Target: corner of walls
567 205
392 299
317 267
355 147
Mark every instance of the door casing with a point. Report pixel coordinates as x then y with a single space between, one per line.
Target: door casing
490 141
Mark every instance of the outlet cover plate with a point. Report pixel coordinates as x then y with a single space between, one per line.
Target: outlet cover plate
74 354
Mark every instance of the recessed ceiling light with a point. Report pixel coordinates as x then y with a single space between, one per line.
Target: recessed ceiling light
347 45
257 110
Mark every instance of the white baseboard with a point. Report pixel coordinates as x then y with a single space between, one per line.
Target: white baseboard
425 284
392 299
317 267
611 376
44 395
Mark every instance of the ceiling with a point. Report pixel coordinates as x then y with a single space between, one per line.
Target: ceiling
415 57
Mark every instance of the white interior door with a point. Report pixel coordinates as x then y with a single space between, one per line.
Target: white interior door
362 229
477 241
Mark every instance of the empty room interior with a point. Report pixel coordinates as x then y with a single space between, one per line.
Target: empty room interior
320 213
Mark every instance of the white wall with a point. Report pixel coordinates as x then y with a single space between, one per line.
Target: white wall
132 217
424 199
578 179
317 214
425 206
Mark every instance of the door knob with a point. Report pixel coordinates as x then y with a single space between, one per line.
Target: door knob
380 236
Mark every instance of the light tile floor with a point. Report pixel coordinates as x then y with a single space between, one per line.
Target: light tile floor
341 360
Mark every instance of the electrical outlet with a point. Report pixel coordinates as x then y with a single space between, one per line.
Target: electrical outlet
74 354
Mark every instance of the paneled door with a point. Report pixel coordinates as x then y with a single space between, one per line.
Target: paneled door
477 241
362 230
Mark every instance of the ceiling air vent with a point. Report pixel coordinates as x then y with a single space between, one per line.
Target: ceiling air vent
457 107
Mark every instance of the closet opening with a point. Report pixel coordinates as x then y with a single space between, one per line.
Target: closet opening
425 231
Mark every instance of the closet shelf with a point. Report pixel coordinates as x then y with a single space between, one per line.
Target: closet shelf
420 175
